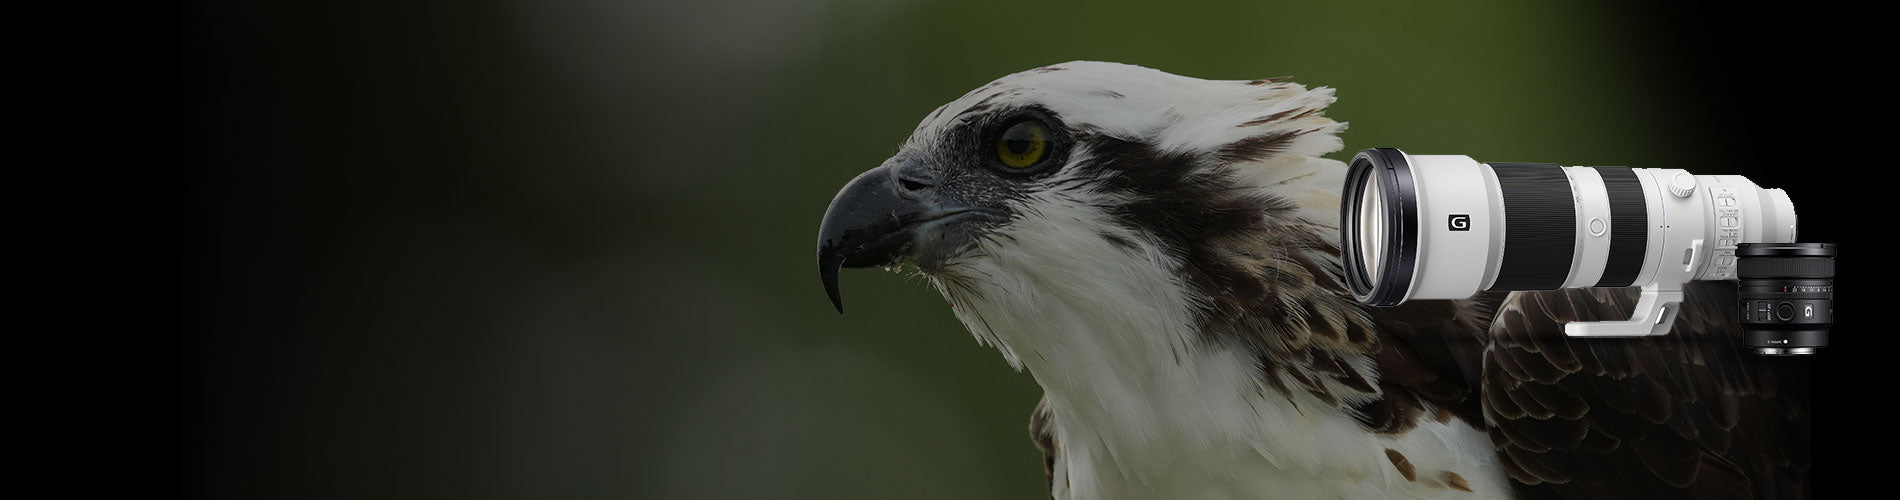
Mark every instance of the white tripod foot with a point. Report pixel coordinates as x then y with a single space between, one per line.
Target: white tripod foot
1655 312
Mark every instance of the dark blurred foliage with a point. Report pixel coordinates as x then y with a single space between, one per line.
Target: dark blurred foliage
564 248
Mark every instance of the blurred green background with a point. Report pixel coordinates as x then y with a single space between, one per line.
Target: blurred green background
564 248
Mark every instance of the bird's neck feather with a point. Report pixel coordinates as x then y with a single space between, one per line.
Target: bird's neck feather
1122 346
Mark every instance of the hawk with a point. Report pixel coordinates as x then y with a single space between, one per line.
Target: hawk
1160 253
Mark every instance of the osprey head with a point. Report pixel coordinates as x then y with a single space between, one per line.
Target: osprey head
1069 158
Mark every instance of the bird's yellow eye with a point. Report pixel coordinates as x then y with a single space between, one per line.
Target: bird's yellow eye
1023 145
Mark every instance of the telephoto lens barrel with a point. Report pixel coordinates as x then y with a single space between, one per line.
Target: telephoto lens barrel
1787 296
1428 227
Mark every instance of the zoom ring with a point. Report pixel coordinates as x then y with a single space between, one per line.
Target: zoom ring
1540 241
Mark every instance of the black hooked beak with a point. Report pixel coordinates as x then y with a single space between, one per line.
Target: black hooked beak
878 219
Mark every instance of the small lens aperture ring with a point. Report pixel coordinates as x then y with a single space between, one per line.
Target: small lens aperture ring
1541 213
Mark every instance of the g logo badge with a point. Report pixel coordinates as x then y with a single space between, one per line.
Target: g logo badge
1460 222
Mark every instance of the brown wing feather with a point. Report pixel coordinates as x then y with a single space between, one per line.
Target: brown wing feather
1686 415
1428 354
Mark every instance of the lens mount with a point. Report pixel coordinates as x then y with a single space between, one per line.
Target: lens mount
1394 211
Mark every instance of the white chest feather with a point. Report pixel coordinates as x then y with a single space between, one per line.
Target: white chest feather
1142 409
1262 447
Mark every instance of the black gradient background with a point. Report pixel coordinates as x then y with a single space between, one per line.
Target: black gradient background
563 249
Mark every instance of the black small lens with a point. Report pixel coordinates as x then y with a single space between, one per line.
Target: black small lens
1787 296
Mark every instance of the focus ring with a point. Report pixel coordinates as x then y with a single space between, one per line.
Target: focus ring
1629 226
1541 217
1798 267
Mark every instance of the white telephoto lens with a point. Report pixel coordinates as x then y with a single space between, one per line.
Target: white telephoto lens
1448 227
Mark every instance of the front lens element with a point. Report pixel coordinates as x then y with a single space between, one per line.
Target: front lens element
1379 215
1372 228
